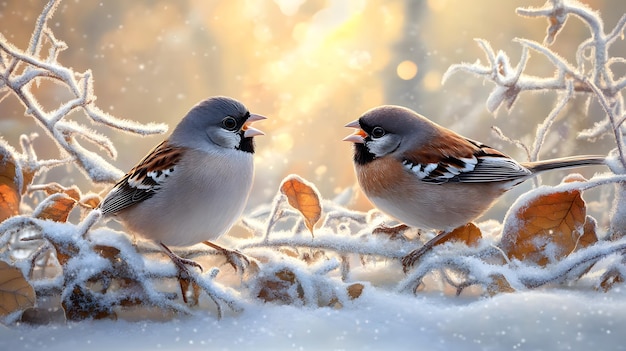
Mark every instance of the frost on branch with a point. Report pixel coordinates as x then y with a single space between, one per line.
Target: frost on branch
88 272
591 75
21 69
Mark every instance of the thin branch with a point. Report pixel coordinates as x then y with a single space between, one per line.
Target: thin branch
619 138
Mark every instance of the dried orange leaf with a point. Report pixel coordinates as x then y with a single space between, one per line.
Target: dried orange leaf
54 188
355 290
610 278
589 236
469 234
498 285
64 251
303 197
548 227
57 207
9 190
15 292
27 178
90 200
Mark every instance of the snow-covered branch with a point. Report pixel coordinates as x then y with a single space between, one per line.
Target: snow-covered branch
34 67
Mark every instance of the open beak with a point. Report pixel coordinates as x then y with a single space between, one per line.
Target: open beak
248 131
358 136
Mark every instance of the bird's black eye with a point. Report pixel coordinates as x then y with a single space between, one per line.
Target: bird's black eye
229 123
377 132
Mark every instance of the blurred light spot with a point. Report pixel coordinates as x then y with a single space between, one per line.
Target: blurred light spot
262 33
321 170
299 31
359 60
289 7
432 81
283 141
406 70
437 5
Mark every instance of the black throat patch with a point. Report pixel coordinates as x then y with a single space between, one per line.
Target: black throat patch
362 155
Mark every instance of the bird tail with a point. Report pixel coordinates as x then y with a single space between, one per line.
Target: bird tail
565 162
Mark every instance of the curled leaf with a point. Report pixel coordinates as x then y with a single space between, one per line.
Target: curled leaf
470 234
90 200
55 188
548 227
303 196
57 207
15 292
10 194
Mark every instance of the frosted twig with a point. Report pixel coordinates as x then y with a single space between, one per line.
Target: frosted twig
619 138
543 128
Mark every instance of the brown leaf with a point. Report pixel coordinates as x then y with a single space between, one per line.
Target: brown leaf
108 252
27 178
498 285
9 193
554 220
72 191
470 234
610 278
57 207
64 251
589 236
90 200
303 197
83 304
282 286
15 292
355 290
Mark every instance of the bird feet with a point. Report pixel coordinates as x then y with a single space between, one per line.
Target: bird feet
394 232
183 274
409 260
236 259
180 263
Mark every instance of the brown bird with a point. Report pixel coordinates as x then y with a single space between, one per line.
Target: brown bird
430 177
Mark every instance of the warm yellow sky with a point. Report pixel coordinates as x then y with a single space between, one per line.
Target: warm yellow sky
310 66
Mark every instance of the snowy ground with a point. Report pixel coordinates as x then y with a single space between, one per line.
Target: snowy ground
551 319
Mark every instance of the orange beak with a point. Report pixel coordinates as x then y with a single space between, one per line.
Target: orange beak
248 131
359 134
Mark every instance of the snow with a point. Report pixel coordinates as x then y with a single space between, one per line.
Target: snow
551 319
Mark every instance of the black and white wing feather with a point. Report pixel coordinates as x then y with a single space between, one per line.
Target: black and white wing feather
144 180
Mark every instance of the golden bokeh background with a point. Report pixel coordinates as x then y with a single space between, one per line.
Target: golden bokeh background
311 66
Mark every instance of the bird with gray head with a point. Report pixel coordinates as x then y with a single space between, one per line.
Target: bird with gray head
427 176
192 187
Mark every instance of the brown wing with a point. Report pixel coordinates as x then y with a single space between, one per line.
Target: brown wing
144 179
464 160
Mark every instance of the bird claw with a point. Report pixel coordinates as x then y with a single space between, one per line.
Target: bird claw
182 273
236 259
181 263
394 232
409 260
